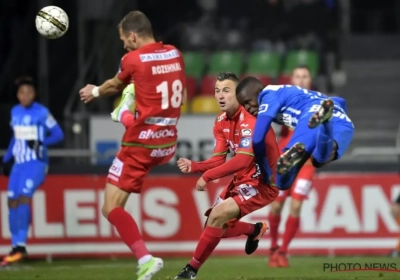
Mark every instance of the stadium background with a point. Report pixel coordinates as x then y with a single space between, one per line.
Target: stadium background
352 48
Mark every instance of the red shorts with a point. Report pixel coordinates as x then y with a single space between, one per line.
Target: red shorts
301 186
247 197
132 164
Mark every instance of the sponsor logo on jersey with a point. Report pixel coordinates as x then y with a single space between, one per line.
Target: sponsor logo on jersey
26 132
226 130
150 134
246 132
147 57
245 142
163 152
161 121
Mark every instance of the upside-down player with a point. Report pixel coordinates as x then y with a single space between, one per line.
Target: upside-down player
247 192
158 73
304 111
301 76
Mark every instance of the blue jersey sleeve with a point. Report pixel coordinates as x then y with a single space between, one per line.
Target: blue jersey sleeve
263 124
270 103
9 155
55 132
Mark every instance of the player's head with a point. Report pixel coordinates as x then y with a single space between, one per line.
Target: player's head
26 91
134 29
247 92
225 87
301 77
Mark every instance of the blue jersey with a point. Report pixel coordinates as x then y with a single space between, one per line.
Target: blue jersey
287 104
32 123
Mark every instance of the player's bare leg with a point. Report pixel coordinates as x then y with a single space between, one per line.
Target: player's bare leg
213 233
113 209
289 159
126 103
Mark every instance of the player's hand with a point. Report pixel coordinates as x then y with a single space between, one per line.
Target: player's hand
201 184
185 165
36 146
86 93
6 168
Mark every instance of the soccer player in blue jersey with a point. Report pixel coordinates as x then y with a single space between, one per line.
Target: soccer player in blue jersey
25 162
322 129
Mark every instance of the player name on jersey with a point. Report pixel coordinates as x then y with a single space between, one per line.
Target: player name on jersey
168 68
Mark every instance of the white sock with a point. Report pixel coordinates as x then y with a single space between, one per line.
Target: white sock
144 259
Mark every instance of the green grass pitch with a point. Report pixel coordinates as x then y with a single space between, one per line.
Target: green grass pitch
233 268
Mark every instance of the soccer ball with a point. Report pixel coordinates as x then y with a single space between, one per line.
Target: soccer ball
52 22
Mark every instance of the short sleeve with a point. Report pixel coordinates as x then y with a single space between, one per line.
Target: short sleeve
126 69
49 120
270 104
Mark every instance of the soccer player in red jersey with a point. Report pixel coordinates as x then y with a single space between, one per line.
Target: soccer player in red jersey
247 192
301 76
158 74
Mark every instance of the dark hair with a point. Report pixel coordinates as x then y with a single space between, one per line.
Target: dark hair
24 80
222 76
137 22
302 66
248 82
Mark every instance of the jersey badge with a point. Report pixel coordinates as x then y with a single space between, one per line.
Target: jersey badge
246 132
245 142
263 108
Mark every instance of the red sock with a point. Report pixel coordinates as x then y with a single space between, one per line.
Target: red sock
274 221
209 240
240 228
292 225
127 118
128 230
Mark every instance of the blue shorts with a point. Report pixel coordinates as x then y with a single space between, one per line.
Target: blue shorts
26 178
343 131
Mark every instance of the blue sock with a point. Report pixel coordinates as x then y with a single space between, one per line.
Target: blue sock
24 219
324 145
13 224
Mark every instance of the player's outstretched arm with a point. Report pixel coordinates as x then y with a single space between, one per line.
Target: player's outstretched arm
90 92
237 163
189 166
221 149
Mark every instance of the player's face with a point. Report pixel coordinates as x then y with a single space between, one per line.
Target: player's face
225 95
248 98
302 78
26 95
129 39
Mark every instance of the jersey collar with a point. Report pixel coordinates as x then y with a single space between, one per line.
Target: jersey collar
236 115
